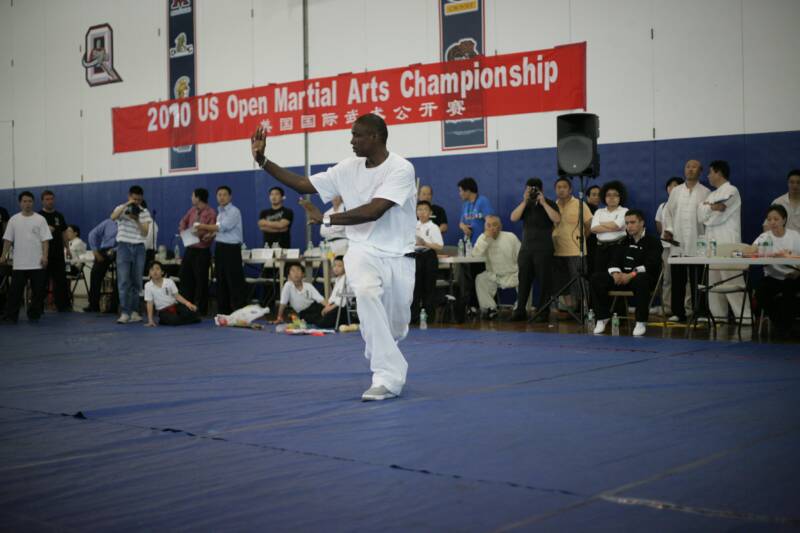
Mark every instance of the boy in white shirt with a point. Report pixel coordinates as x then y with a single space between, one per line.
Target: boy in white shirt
428 242
161 294
30 235
339 294
301 296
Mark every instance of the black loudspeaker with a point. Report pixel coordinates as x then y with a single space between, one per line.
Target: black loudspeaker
576 147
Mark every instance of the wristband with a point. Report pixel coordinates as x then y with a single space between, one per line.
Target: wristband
261 160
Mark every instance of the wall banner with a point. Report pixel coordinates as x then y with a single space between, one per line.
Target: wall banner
182 79
462 39
523 82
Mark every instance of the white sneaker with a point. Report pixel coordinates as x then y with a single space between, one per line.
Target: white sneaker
600 327
640 328
377 393
123 318
136 317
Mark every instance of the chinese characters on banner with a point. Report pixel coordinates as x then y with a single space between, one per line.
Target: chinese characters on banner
523 82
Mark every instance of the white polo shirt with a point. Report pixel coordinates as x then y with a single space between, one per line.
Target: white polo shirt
300 299
27 234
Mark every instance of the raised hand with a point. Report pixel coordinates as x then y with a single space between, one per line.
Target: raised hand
313 212
258 142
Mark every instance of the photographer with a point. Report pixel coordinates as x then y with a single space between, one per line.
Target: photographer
539 215
133 223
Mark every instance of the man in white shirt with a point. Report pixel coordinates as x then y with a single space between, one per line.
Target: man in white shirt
721 214
501 249
133 224
790 201
682 228
335 236
666 279
378 188
429 243
30 235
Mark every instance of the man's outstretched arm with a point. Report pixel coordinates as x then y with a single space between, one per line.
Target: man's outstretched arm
297 182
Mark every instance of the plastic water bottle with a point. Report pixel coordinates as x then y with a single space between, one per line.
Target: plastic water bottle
177 246
460 248
615 325
590 321
423 319
701 248
768 246
468 248
713 248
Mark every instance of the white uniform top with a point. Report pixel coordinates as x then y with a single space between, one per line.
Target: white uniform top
429 232
722 226
27 234
501 256
162 296
789 241
680 217
617 216
300 300
660 218
392 235
793 220
76 247
339 290
333 232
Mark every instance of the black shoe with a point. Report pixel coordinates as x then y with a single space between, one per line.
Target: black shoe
491 314
6 321
541 318
519 316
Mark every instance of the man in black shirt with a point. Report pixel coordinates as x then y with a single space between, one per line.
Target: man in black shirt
438 214
276 223
535 260
634 266
56 266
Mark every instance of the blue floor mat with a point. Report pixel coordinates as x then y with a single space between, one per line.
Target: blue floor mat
205 428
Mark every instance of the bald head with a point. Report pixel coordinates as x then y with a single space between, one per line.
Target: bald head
692 170
492 226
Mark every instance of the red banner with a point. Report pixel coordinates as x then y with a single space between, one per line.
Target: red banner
482 86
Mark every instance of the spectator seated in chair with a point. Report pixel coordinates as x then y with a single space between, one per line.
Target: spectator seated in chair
501 250
161 294
73 247
340 295
301 296
635 266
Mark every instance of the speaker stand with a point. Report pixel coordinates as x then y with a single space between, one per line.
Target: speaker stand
580 312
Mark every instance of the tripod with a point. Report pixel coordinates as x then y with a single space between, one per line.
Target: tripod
580 277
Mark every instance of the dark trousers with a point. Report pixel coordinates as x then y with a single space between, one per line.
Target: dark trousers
57 273
534 264
467 272
194 277
313 315
96 277
779 300
425 283
16 292
230 277
641 285
177 315
601 256
680 274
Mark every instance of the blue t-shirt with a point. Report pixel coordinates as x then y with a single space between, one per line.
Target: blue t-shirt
473 214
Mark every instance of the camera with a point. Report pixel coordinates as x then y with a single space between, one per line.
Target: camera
133 209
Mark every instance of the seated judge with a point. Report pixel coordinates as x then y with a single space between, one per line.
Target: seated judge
634 266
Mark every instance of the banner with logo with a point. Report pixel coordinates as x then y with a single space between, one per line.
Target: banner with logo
182 80
462 39
524 82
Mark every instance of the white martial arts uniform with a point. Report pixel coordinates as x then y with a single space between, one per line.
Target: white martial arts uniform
501 266
378 271
725 227
680 217
336 236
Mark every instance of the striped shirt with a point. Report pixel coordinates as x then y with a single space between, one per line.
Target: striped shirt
128 230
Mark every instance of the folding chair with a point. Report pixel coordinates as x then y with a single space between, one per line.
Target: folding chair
658 289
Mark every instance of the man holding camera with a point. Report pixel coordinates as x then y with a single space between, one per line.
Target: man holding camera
539 215
133 223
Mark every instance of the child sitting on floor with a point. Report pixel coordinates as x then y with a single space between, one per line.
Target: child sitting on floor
306 300
338 297
162 295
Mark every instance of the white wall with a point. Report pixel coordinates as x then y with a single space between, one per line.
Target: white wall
715 67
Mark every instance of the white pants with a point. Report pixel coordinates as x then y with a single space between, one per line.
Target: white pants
384 288
718 302
486 284
666 283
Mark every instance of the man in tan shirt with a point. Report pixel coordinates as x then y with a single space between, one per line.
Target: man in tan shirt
567 236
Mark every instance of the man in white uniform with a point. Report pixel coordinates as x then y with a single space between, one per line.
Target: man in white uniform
501 250
721 214
379 189
682 228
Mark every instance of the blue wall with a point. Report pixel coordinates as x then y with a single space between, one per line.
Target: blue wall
759 165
